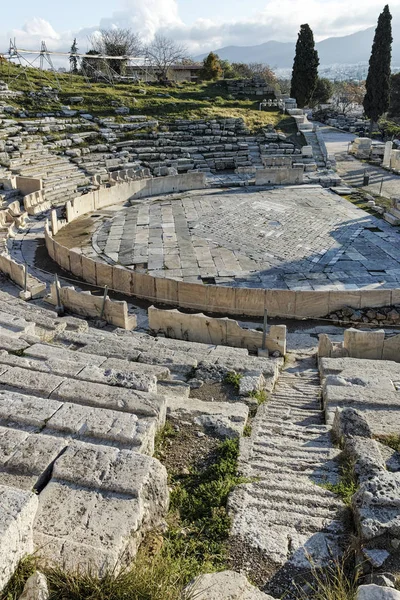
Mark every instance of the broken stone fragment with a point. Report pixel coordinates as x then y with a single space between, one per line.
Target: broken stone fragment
376 592
35 588
227 585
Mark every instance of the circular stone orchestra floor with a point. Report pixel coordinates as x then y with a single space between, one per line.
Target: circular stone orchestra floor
296 238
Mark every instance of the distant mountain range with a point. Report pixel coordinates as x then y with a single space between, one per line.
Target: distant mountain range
350 49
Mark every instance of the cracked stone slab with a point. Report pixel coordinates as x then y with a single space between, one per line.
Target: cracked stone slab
97 506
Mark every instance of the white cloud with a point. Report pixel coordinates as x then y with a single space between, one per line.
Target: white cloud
278 20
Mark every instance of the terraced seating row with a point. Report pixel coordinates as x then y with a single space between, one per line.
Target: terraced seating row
79 411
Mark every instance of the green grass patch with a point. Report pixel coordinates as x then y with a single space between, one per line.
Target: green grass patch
339 581
247 430
234 379
260 395
208 100
347 485
361 201
26 567
162 436
393 441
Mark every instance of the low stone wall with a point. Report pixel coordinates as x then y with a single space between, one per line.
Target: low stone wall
224 331
372 345
87 305
140 188
280 175
16 272
27 185
211 298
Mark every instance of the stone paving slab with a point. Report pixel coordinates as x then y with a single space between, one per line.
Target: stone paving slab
298 238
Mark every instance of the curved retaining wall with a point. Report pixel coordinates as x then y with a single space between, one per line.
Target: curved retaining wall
209 298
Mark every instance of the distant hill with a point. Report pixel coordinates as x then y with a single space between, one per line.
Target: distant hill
349 49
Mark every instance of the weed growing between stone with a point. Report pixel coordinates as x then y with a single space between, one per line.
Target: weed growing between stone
260 395
393 441
26 567
347 485
234 379
339 581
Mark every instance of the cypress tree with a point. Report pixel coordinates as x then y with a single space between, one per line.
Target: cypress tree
305 67
73 60
377 97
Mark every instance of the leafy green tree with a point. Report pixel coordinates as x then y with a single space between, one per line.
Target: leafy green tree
305 67
73 59
394 107
376 100
228 70
212 68
323 91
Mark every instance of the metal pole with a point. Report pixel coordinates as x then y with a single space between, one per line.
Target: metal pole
265 325
59 307
104 301
380 191
26 278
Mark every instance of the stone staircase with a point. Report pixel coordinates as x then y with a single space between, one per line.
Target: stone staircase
313 141
284 514
61 178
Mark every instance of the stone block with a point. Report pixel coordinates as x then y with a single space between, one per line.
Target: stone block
364 344
104 425
280 303
391 348
31 382
26 410
47 352
62 257
395 297
17 513
98 505
220 299
35 588
75 259
192 295
166 290
104 274
375 298
226 585
249 302
114 398
377 592
122 280
143 286
88 269
312 304
340 299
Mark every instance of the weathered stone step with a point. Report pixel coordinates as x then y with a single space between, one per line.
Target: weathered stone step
82 392
79 422
302 522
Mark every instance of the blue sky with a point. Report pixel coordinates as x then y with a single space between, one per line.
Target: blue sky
201 25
